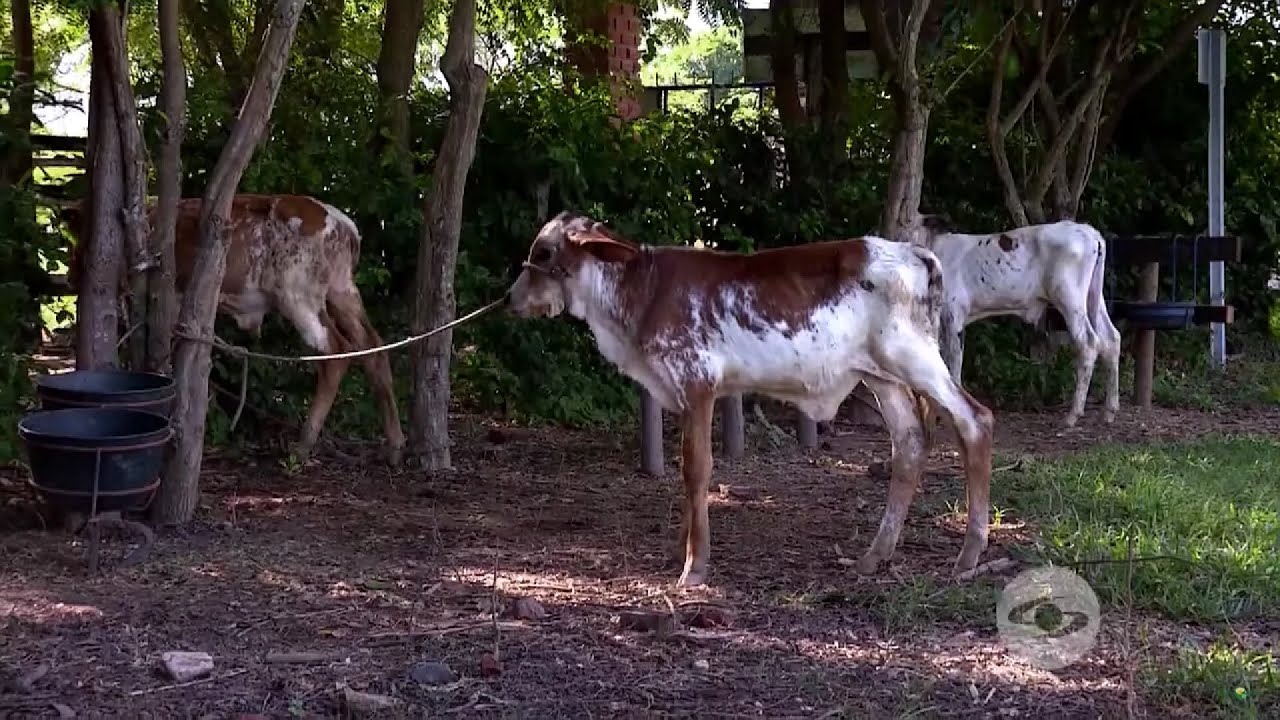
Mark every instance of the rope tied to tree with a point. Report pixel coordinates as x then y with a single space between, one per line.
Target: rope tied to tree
245 354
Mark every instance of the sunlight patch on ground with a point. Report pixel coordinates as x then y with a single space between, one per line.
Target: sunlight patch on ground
43 608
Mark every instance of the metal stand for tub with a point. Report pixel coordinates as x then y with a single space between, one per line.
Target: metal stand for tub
119 503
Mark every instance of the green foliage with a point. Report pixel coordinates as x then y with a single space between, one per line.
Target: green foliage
24 248
726 177
1223 679
1210 509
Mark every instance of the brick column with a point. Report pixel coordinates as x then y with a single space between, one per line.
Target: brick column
624 58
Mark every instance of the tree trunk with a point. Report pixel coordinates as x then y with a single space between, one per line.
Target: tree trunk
16 165
835 75
133 165
906 173
438 246
179 493
896 56
162 306
400 31
97 303
786 83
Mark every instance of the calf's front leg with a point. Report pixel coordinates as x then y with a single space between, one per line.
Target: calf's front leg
695 467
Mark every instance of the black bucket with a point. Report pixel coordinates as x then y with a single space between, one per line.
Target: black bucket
151 392
63 448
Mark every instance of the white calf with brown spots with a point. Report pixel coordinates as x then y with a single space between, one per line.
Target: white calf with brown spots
297 256
803 324
1022 272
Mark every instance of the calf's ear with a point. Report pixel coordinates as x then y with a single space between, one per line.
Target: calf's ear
601 246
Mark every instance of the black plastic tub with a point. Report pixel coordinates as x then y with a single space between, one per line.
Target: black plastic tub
151 392
1162 315
64 446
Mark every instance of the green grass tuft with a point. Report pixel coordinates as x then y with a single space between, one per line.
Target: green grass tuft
1213 503
1227 681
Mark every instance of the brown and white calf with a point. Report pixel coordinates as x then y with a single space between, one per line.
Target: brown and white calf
802 324
1022 272
295 255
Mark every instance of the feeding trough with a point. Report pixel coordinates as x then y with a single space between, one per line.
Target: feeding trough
98 461
151 392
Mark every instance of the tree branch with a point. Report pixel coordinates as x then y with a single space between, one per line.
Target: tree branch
908 75
996 134
1048 53
1056 154
162 308
882 43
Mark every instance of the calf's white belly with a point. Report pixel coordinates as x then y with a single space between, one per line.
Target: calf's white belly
815 370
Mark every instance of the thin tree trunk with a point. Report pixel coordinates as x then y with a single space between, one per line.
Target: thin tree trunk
786 83
906 173
180 491
133 164
835 74
162 306
97 308
434 304
400 31
15 167
897 57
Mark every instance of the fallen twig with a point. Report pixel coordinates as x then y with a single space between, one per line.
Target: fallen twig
26 700
392 638
291 616
302 658
992 566
201 681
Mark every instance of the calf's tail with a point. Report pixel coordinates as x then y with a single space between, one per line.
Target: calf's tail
938 322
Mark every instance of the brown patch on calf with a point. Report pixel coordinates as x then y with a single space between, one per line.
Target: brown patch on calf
1008 244
788 283
310 213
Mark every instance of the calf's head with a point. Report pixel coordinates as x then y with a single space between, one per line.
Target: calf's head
565 267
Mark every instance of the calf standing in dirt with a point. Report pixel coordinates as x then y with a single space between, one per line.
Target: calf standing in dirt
802 324
295 255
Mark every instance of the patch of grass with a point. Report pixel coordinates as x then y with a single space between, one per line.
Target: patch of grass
1222 679
1185 379
1213 506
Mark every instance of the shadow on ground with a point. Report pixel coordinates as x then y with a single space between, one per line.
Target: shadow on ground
372 574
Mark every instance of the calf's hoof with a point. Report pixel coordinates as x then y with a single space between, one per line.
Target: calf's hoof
395 456
691 580
692 577
301 451
868 564
967 560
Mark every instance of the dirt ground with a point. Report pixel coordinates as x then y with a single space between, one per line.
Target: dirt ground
368 578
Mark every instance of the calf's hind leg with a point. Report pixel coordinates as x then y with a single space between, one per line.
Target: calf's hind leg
907 438
348 313
974 426
318 331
